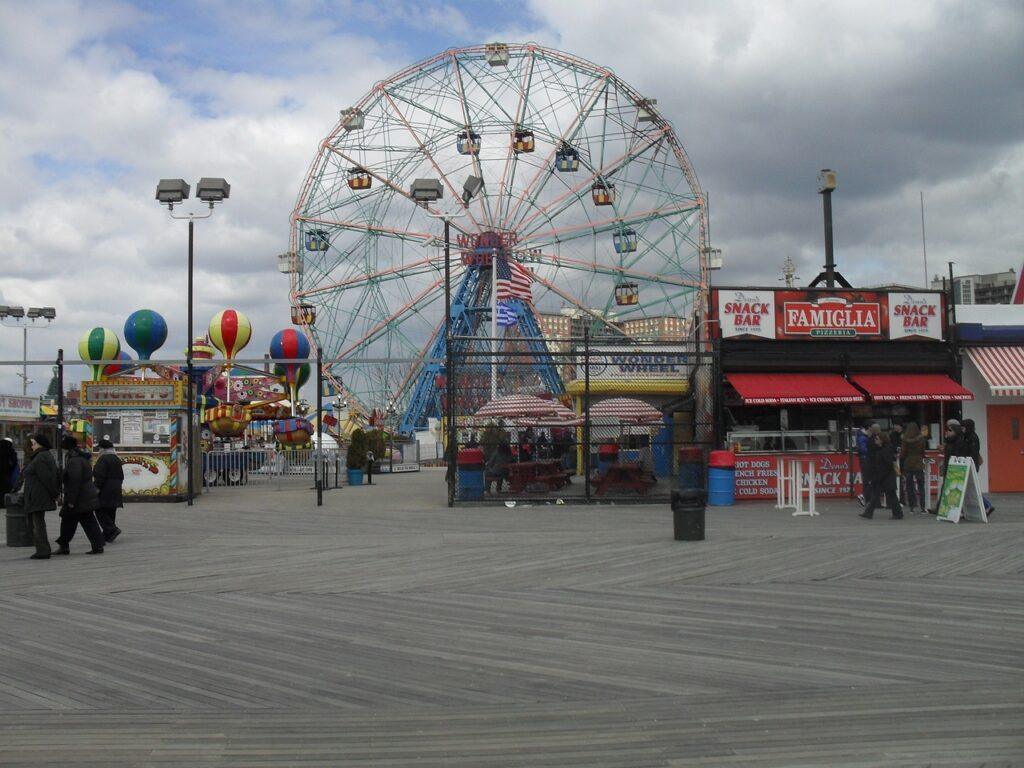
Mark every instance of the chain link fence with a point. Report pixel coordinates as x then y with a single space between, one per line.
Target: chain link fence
582 419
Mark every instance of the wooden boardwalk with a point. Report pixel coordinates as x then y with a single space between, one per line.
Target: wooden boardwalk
385 629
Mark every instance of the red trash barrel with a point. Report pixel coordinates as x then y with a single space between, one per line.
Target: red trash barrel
470 463
691 466
721 478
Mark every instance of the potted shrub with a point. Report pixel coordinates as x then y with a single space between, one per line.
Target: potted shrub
356 459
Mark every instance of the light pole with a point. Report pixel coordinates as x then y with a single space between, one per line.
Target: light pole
26 320
423 192
170 192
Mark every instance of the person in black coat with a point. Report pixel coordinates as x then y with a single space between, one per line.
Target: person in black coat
8 468
882 467
41 486
108 475
80 500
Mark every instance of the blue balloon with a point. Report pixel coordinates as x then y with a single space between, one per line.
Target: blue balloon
145 331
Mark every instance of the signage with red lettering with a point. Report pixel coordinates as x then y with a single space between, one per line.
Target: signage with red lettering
829 317
747 313
915 314
814 314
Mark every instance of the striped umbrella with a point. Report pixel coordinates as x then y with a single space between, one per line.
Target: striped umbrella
230 331
520 407
99 344
626 409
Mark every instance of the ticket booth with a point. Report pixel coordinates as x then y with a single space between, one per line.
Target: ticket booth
147 423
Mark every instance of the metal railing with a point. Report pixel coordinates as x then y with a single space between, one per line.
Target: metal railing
272 467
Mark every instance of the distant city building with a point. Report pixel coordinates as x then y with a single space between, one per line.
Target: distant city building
994 288
569 323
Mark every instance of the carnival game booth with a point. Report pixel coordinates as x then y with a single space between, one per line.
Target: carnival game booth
803 369
145 419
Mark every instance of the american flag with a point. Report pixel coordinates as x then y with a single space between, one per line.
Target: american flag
506 315
513 280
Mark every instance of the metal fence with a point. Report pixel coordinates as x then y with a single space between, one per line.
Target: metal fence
272 467
583 419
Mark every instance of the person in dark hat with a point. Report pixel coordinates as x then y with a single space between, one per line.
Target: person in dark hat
41 486
80 500
108 475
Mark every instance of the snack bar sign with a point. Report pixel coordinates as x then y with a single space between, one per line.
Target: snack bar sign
815 314
747 313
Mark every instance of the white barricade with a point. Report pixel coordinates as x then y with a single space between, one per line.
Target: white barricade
790 486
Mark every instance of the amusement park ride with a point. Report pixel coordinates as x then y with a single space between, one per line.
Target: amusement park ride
545 165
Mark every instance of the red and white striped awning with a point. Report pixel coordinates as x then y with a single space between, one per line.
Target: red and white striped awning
520 406
626 409
1001 367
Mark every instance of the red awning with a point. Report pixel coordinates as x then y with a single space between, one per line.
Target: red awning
793 388
1001 367
909 387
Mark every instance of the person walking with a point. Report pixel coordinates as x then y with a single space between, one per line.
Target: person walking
912 458
80 500
108 474
9 470
972 448
41 486
863 442
882 468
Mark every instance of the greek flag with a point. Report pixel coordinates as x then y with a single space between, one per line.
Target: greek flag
506 315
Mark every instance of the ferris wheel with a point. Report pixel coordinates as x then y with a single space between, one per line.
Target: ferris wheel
542 161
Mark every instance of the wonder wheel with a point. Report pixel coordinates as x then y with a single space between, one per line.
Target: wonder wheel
537 159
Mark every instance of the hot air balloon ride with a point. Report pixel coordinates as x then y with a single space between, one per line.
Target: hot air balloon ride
289 344
228 420
293 432
115 368
145 331
99 344
230 332
301 377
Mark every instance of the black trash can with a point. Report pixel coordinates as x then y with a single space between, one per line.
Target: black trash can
688 513
18 533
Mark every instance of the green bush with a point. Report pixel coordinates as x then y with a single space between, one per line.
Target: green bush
376 441
357 450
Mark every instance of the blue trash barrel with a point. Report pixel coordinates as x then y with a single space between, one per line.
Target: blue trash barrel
721 478
691 466
470 463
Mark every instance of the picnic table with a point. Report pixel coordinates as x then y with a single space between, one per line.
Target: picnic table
551 474
626 475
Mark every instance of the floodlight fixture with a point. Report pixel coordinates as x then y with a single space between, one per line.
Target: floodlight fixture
826 180
425 191
172 191
213 190
471 188
14 311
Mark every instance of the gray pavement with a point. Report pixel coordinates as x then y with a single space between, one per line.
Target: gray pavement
386 629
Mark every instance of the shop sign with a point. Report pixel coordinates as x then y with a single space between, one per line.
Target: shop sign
19 408
747 313
915 314
636 364
831 317
116 394
757 476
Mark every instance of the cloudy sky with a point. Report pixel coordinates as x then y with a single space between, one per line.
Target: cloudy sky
100 99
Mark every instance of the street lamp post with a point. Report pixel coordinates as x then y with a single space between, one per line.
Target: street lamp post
171 192
423 192
26 320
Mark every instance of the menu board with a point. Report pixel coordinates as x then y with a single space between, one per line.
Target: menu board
134 428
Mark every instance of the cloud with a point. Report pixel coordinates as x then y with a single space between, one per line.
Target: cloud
98 100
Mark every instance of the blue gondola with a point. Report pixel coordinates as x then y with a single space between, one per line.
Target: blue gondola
567 159
317 240
468 143
625 241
